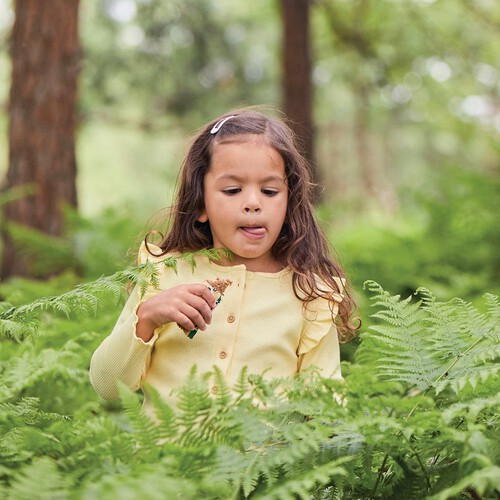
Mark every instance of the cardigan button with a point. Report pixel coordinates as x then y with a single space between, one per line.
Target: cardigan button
214 389
223 355
231 318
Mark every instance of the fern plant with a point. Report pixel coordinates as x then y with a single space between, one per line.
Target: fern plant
434 354
416 417
431 345
86 299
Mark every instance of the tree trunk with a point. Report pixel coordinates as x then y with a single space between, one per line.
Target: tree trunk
45 68
364 150
297 81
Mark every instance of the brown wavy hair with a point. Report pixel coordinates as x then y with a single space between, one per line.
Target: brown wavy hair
301 244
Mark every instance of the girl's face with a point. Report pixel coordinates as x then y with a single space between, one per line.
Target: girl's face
246 197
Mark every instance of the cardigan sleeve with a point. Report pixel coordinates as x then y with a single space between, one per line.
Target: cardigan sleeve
122 356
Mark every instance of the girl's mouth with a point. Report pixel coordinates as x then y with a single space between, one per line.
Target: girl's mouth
253 231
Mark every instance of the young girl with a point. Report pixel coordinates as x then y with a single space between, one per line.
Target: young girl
245 188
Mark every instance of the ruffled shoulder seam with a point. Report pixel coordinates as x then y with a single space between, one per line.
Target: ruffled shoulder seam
143 255
319 317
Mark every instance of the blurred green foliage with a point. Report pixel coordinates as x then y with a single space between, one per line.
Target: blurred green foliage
158 63
446 239
403 90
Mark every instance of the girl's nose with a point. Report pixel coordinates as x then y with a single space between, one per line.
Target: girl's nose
252 204
249 209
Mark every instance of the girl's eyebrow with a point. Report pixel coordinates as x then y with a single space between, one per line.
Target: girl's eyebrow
237 178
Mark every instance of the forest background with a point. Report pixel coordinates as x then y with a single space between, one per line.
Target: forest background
405 113
406 119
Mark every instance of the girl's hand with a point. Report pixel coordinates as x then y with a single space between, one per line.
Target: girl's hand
188 305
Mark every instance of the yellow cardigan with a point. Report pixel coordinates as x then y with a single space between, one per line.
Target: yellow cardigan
259 324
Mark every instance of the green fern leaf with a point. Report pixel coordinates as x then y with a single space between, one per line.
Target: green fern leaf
165 415
484 482
146 433
43 478
301 485
170 263
223 396
86 298
194 403
471 409
242 386
430 344
190 259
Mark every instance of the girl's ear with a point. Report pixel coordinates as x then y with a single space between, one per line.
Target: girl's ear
203 217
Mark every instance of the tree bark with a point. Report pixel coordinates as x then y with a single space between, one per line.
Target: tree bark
42 109
364 149
297 79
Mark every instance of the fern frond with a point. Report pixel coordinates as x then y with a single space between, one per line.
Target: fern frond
146 433
145 482
216 253
28 412
223 396
83 300
19 330
451 345
190 259
400 333
300 485
147 277
471 409
194 403
228 466
483 482
410 486
16 193
342 444
12 449
492 305
251 474
170 263
43 478
165 415
242 386
31 367
218 424
430 344
86 299
91 443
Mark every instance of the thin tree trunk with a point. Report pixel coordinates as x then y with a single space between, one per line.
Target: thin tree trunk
297 80
365 157
45 69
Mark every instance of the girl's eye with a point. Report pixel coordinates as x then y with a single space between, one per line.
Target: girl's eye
270 192
231 191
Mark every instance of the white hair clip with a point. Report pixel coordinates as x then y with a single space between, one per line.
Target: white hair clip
219 124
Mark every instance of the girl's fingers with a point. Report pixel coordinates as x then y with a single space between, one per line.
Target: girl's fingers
201 306
188 305
203 292
185 323
193 319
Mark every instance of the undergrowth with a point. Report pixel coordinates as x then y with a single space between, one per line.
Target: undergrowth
416 417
